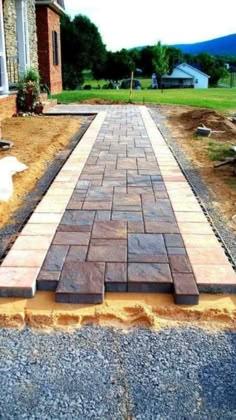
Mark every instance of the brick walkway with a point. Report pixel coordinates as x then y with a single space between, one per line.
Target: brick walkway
119 217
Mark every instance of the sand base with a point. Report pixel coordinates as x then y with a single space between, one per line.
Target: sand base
119 311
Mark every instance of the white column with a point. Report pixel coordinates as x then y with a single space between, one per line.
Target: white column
4 87
22 36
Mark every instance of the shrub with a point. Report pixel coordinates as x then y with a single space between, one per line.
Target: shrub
87 87
28 89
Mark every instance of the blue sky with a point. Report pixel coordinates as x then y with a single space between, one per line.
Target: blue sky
127 24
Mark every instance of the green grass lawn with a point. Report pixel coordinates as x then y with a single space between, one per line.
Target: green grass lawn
220 99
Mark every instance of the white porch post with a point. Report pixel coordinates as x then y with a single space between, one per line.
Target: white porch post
22 36
4 87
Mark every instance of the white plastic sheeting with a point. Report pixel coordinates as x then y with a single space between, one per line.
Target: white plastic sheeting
9 166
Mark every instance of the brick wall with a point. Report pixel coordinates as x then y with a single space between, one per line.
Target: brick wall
48 21
7 106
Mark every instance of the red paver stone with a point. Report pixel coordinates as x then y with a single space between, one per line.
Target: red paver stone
97 205
116 277
108 250
81 282
71 238
161 227
186 291
149 278
180 264
135 227
75 205
110 230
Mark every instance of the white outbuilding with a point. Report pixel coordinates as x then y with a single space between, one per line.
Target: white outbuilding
186 76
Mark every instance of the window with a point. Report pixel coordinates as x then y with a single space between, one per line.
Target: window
55 48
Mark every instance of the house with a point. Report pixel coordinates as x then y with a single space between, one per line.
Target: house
29 38
49 42
185 76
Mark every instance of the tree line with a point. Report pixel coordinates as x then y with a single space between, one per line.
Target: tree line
83 49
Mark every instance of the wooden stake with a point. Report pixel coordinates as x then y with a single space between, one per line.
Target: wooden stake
131 86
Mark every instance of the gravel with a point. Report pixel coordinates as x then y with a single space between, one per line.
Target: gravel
226 235
101 373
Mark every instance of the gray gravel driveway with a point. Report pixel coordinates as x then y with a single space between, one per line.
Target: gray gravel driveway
101 373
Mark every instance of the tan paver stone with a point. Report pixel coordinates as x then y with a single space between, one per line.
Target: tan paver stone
18 281
24 258
41 229
207 256
200 241
215 274
195 228
185 206
192 217
25 242
43 218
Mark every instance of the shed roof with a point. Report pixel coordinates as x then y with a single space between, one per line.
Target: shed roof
177 74
187 67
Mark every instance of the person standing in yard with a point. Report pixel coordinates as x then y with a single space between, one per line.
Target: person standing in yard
154 81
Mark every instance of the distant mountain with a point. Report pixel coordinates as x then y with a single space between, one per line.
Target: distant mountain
225 45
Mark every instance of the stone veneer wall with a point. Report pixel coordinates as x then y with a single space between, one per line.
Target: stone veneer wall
9 16
32 34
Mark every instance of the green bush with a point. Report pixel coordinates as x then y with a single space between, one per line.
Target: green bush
28 90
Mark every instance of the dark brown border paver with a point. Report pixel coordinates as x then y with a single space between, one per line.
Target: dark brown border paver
149 278
186 291
81 282
116 277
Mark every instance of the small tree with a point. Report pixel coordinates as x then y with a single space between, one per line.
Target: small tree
212 66
160 62
118 65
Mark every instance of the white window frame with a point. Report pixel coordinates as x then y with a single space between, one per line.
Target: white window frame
22 36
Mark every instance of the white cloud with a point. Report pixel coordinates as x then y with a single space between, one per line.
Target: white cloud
128 24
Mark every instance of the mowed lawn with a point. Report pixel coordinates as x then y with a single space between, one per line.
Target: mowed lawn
220 99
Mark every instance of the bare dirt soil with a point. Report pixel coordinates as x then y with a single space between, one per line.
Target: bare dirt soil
182 122
36 142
